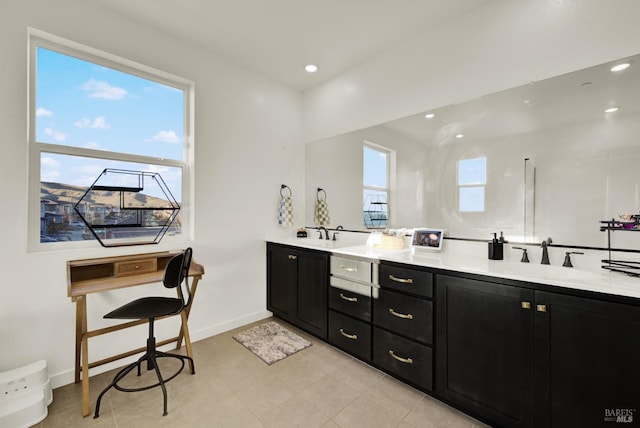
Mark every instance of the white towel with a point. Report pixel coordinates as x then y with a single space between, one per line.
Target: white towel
285 212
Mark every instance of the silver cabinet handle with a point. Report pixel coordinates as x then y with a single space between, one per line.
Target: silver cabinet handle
349 336
348 299
401 280
349 268
399 315
402 360
291 257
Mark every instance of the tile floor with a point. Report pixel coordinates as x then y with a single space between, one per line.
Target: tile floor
317 387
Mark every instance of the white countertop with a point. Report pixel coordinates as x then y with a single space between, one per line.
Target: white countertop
600 281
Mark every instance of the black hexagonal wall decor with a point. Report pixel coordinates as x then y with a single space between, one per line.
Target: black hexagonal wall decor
124 207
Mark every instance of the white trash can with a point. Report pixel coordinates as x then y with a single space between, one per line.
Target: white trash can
25 393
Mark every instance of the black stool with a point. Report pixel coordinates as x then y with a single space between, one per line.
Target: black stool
176 273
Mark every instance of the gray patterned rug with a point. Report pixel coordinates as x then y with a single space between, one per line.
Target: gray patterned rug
271 342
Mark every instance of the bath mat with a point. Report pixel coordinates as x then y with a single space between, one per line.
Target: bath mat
271 342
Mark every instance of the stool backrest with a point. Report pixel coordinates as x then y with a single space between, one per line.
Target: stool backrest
177 272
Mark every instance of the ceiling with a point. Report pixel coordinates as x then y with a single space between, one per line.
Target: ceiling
277 38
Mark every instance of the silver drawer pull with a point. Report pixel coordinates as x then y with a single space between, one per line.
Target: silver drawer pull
291 257
402 360
402 280
348 299
349 336
349 268
399 315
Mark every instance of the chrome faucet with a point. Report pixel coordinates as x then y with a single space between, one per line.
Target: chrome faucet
545 252
326 233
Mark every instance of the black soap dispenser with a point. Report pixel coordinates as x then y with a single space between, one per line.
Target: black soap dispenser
495 248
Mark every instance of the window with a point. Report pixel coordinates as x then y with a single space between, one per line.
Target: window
90 111
472 179
375 186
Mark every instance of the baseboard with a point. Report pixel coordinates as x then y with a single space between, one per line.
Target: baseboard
67 377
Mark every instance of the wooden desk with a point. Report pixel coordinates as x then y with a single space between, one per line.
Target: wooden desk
110 273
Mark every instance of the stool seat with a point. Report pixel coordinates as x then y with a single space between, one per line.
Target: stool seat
147 307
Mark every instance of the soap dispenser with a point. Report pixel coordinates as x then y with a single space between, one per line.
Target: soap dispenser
495 248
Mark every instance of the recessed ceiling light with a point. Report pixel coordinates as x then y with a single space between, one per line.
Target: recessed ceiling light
611 110
459 135
429 116
311 68
620 67
527 101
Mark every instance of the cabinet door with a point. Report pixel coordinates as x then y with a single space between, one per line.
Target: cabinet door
588 362
282 282
313 279
485 349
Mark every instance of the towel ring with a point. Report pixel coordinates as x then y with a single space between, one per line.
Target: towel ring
284 186
318 193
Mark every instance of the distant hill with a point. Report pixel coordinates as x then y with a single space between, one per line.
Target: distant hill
60 193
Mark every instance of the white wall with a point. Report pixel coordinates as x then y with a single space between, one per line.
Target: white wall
502 44
248 133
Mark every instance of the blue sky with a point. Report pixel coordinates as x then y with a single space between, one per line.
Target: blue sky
82 104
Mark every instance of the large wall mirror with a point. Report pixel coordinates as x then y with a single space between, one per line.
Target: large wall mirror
549 159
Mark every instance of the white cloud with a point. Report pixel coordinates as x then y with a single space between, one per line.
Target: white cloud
51 175
49 162
42 112
57 135
92 145
166 137
98 123
101 89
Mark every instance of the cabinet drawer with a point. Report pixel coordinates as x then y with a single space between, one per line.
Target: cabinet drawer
404 358
357 270
407 280
409 316
350 298
351 335
135 267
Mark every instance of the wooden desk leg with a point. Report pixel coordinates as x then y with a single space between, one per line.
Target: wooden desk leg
85 357
187 339
181 334
79 310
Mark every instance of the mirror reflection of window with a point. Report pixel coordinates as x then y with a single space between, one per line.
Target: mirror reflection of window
375 167
472 179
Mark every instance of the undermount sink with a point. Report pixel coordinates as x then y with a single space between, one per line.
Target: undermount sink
366 250
549 272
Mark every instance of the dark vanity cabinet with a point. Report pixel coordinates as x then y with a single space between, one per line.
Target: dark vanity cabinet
510 353
521 357
297 282
403 324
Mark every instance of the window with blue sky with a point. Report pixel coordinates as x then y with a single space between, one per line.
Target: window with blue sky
472 179
91 113
375 167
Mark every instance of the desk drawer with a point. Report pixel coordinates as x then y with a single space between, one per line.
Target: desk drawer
409 316
404 358
357 270
135 267
351 335
407 280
